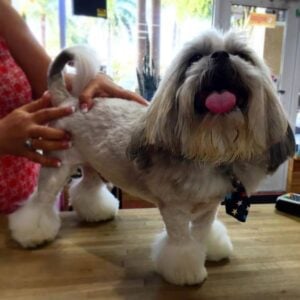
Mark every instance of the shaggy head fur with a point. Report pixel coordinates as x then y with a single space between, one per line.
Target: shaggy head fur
180 122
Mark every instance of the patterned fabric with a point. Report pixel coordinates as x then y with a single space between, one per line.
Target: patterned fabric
237 203
18 176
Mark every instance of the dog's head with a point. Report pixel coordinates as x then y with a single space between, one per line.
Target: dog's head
217 104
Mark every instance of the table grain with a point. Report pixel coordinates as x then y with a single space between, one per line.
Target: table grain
111 260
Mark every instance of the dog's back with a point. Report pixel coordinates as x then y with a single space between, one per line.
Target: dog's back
101 136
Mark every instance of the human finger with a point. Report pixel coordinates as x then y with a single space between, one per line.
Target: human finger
68 81
87 95
49 133
50 145
128 95
109 90
42 159
47 115
38 104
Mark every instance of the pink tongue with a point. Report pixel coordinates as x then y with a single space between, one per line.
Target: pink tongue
220 103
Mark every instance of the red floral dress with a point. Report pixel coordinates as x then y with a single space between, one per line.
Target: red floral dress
18 175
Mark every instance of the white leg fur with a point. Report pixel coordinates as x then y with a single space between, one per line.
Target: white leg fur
91 198
38 221
34 223
177 256
210 232
219 245
179 263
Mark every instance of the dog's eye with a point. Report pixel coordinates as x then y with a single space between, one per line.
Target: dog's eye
243 56
195 58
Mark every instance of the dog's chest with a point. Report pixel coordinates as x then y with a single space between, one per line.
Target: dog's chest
188 182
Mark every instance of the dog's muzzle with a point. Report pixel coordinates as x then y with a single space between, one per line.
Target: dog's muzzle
221 90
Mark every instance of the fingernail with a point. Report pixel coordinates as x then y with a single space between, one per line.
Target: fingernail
68 136
71 109
84 108
67 144
58 164
46 94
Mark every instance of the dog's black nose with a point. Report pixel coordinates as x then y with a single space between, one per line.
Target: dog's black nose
220 55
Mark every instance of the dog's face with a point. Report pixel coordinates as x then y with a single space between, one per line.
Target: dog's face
216 103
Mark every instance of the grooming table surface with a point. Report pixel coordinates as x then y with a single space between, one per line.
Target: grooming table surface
111 261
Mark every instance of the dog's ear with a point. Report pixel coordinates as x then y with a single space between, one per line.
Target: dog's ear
282 150
276 118
280 136
158 129
162 115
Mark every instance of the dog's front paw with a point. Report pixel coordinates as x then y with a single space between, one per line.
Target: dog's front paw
219 245
179 263
34 224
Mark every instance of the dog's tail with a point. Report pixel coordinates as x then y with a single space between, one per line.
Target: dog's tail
86 65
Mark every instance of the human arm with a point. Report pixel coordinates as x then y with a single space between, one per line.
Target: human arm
25 49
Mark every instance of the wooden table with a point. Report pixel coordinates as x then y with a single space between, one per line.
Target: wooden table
111 261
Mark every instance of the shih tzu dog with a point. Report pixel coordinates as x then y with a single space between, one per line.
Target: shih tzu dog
215 116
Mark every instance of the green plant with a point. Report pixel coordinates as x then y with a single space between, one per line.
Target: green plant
148 79
191 8
121 16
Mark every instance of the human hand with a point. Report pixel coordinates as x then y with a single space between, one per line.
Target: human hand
103 86
29 122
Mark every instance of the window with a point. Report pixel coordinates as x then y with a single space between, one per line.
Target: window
133 30
266 30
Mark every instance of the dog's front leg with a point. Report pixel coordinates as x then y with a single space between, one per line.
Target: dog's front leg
38 221
177 255
210 232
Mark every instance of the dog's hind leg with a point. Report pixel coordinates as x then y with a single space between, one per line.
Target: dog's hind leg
37 221
91 198
177 255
